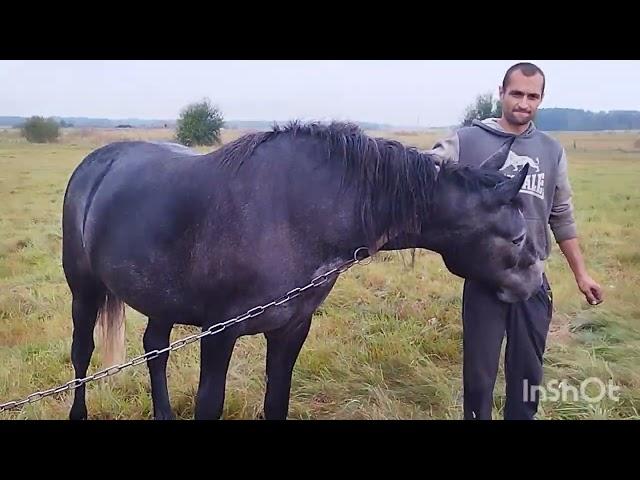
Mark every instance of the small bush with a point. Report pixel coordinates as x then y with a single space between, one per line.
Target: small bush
199 124
41 130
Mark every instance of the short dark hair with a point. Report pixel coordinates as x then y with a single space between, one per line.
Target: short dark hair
528 69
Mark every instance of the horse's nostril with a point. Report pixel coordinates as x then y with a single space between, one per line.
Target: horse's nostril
527 259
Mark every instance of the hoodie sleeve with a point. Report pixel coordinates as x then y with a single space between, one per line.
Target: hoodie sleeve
445 150
561 219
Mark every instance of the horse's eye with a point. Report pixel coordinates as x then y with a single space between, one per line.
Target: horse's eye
519 240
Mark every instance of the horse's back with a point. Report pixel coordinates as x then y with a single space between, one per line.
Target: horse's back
129 164
89 173
171 148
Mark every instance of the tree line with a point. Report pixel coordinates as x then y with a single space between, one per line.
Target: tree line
200 123
557 119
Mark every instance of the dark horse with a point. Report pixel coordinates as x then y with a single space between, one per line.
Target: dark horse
197 239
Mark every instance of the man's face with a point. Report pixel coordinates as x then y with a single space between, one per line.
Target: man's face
522 97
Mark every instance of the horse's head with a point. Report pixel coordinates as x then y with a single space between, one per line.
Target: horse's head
478 227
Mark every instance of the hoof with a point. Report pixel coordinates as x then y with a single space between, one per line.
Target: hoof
78 414
164 416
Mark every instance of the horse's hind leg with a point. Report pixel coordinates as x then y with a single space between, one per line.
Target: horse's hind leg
85 306
156 337
283 348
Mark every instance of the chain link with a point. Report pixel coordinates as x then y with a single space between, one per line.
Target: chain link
212 330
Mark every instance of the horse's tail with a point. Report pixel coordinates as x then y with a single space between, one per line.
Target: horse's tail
110 330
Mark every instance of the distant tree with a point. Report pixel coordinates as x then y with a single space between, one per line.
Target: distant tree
485 106
40 130
199 124
497 109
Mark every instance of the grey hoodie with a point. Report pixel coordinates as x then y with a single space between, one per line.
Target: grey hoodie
546 191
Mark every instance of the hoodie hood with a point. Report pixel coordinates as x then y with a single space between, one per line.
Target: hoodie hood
492 125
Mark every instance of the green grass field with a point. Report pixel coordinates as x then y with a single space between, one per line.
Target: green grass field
385 345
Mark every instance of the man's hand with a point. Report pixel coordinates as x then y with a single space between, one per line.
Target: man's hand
591 290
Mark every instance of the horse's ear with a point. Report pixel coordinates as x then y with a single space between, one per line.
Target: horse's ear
496 161
507 190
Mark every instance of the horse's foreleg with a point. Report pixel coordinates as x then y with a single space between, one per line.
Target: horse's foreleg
215 355
156 337
283 348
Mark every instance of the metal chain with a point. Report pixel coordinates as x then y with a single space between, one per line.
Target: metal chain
212 330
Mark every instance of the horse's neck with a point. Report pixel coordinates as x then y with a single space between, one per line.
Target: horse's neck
400 242
411 235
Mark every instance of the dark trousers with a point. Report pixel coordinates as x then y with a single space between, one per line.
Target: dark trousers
486 320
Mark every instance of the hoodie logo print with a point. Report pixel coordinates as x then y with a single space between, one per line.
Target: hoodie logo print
533 183
518 161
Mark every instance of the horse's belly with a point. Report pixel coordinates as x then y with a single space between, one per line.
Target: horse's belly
154 292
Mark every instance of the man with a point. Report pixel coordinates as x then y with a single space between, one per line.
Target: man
547 198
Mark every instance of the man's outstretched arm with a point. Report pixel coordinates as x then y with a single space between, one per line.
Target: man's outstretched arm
564 229
589 287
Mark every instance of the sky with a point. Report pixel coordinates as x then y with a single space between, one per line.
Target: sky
426 93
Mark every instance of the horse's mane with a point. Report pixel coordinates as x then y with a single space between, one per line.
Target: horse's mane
394 182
